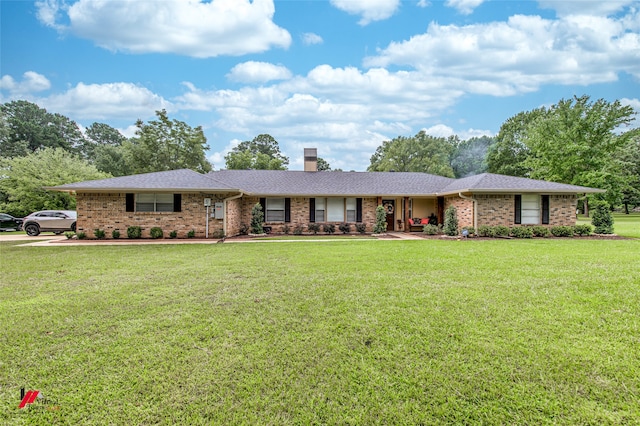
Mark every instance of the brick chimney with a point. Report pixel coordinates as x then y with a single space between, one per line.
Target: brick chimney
310 159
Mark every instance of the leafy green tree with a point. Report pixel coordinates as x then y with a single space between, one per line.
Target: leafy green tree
629 158
576 142
165 144
257 219
107 149
323 165
469 157
261 153
510 150
381 221
23 180
451 221
420 153
28 128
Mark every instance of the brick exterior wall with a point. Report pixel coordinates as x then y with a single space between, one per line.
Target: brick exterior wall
300 214
108 212
499 209
464 209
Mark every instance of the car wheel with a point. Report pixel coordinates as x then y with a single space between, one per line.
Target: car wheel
73 227
32 230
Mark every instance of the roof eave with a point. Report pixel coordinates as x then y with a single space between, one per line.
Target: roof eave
523 191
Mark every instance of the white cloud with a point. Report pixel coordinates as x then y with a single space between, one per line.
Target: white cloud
31 83
423 3
102 101
258 72
564 8
370 10
518 56
465 7
311 38
184 27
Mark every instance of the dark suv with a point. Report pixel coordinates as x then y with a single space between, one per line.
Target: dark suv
9 223
56 221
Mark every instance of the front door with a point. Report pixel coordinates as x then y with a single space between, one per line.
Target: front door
389 207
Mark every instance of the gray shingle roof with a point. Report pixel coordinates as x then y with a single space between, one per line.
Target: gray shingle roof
184 180
290 183
299 183
488 182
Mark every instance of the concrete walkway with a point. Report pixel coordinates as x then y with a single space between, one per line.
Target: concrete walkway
50 240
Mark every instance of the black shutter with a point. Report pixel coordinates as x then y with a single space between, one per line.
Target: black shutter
287 209
130 202
545 209
518 209
312 210
358 210
177 202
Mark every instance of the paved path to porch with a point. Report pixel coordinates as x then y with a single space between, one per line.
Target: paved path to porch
406 235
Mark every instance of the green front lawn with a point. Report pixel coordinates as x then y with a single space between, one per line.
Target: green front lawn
626 225
364 332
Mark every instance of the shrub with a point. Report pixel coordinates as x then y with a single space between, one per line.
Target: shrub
244 229
562 231
257 219
191 234
99 233
381 221
451 221
115 234
361 228
173 234
314 227
485 231
328 228
433 220
69 234
501 231
345 228
541 231
522 232
81 235
601 219
134 232
219 234
582 230
298 229
156 233
286 229
431 229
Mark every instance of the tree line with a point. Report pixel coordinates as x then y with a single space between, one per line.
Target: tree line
576 141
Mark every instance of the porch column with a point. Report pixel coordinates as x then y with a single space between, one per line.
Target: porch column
406 214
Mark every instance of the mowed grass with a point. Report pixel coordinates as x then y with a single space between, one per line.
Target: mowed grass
358 332
626 225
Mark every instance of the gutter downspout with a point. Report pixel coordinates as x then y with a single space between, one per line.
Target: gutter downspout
224 221
475 209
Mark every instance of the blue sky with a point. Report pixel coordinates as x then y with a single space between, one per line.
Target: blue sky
338 75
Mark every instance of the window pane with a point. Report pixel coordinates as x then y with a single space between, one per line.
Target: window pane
351 215
530 209
319 203
274 216
351 204
335 209
319 215
164 202
275 203
145 202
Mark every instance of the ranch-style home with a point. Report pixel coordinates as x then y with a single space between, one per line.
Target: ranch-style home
220 202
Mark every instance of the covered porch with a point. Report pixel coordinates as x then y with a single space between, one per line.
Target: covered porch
410 214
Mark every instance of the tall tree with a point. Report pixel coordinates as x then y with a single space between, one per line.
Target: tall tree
576 142
165 144
107 149
27 128
507 155
323 165
629 158
420 153
22 180
261 153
